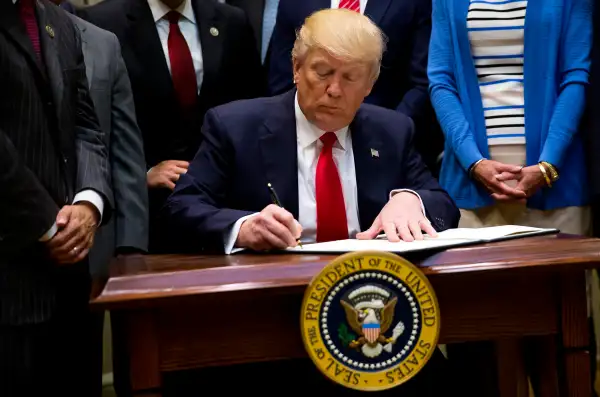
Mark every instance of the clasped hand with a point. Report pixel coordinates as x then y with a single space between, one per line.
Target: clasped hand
76 229
493 175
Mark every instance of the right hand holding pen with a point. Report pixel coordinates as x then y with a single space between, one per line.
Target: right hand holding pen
165 174
272 228
493 174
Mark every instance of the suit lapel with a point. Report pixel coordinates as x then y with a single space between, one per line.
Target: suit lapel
10 22
279 153
367 150
376 9
51 56
144 42
211 30
90 61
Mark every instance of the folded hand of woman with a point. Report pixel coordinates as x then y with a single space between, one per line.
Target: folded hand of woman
493 175
530 180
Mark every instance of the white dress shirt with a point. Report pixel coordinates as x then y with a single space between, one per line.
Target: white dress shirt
85 195
363 5
189 29
309 149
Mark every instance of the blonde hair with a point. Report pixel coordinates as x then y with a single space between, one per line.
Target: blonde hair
343 34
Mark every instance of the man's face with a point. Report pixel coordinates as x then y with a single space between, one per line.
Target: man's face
330 90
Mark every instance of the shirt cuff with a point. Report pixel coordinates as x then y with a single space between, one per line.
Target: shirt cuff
93 198
49 234
231 236
396 191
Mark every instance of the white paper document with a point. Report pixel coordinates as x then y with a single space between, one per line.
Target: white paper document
445 239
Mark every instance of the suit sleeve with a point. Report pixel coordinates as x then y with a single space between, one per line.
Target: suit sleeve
439 207
416 100
195 212
128 165
92 153
574 71
444 91
26 209
280 78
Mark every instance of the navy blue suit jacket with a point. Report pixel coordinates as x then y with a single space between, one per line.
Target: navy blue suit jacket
402 84
247 144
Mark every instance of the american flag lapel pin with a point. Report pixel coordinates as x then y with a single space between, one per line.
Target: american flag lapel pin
374 153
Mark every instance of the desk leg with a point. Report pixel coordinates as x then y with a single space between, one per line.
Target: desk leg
543 365
576 381
512 377
136 354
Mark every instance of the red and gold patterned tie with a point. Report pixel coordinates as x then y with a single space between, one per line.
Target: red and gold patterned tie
331 209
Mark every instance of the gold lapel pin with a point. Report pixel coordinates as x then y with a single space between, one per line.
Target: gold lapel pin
374 153
50 31
214 31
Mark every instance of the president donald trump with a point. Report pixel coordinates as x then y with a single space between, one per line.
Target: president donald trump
341 169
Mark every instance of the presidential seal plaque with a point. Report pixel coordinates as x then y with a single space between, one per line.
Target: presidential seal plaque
370 320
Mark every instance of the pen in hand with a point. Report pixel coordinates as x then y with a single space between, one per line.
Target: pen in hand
275 200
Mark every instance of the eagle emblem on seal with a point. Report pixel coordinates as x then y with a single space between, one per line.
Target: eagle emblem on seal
370 313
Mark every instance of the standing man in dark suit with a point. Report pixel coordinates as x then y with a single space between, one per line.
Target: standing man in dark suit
183 58
55 192
127 231
403 83
111 93
262 15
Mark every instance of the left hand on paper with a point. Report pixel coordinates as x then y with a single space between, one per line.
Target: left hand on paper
400 219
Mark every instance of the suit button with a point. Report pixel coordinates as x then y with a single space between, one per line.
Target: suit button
65 160
49 103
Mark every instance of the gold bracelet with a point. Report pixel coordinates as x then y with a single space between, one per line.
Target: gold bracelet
552 170
543 169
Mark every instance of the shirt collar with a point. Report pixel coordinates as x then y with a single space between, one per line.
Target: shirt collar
307 133
159 10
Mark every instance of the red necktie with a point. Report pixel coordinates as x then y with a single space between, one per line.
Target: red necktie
331 210
27 13
183 72
352 5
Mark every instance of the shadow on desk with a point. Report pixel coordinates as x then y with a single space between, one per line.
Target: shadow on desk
297 377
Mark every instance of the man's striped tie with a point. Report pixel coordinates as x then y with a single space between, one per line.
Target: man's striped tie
27 13
352 5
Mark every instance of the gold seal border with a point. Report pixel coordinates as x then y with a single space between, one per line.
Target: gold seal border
309 347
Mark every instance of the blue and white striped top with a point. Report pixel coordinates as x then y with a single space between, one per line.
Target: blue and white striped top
496 33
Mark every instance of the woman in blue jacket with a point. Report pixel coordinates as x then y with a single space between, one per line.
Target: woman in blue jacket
507 81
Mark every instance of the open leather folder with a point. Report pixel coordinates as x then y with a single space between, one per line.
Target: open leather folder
446 239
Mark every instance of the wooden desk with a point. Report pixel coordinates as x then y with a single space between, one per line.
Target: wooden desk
501 292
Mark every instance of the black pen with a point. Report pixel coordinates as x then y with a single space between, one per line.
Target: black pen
276 201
